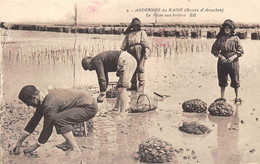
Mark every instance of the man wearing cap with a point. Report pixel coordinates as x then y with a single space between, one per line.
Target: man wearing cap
121 62
61 108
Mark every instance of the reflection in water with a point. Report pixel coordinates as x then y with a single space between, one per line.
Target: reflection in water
114 140
181 77
227 138
109 103
194 116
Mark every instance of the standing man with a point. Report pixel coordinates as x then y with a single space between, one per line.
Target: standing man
121 62
136 43
61 108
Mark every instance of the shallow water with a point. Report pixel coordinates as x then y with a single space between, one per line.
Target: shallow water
183 77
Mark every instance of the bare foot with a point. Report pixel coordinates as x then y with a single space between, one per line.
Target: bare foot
115 109
220 99
238 100
121 116
74 154
64 146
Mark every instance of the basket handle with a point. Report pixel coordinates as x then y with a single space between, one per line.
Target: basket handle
137 102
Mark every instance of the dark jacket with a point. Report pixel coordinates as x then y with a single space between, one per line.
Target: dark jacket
103 63
57 100
227 46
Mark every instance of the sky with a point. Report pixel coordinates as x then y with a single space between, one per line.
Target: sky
122 11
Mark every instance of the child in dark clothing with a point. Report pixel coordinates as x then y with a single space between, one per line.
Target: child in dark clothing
61 108
228 49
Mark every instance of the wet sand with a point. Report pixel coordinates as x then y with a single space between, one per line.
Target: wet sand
233 139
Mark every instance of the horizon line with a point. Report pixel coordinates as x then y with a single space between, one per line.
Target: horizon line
117 23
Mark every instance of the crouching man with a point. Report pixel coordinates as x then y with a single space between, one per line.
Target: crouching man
61 108
121 62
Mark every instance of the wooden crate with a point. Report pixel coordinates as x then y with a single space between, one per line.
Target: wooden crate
255 36
242 35
211 34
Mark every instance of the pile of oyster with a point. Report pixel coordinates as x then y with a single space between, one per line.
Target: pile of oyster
194 128
155 150
79 130
111 93
195 106
220 108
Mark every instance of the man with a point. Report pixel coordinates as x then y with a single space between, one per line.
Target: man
121 62
61 108
136 43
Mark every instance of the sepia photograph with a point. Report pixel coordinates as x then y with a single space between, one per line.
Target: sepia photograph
129 82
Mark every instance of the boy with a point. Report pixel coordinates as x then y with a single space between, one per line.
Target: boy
121 62
61 108
228 49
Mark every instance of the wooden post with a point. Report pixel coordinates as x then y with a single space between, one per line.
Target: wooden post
1 75
3 37
1 87
75 43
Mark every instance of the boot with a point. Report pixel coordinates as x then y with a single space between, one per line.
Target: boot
133 87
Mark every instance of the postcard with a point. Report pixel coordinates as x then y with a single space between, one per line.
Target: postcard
109 81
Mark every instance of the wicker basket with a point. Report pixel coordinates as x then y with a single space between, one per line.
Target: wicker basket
112 92
79 130
83 129
144 103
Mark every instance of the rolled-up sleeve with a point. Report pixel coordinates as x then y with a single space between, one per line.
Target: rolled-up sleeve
239 48
34 121
215 49
144 40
